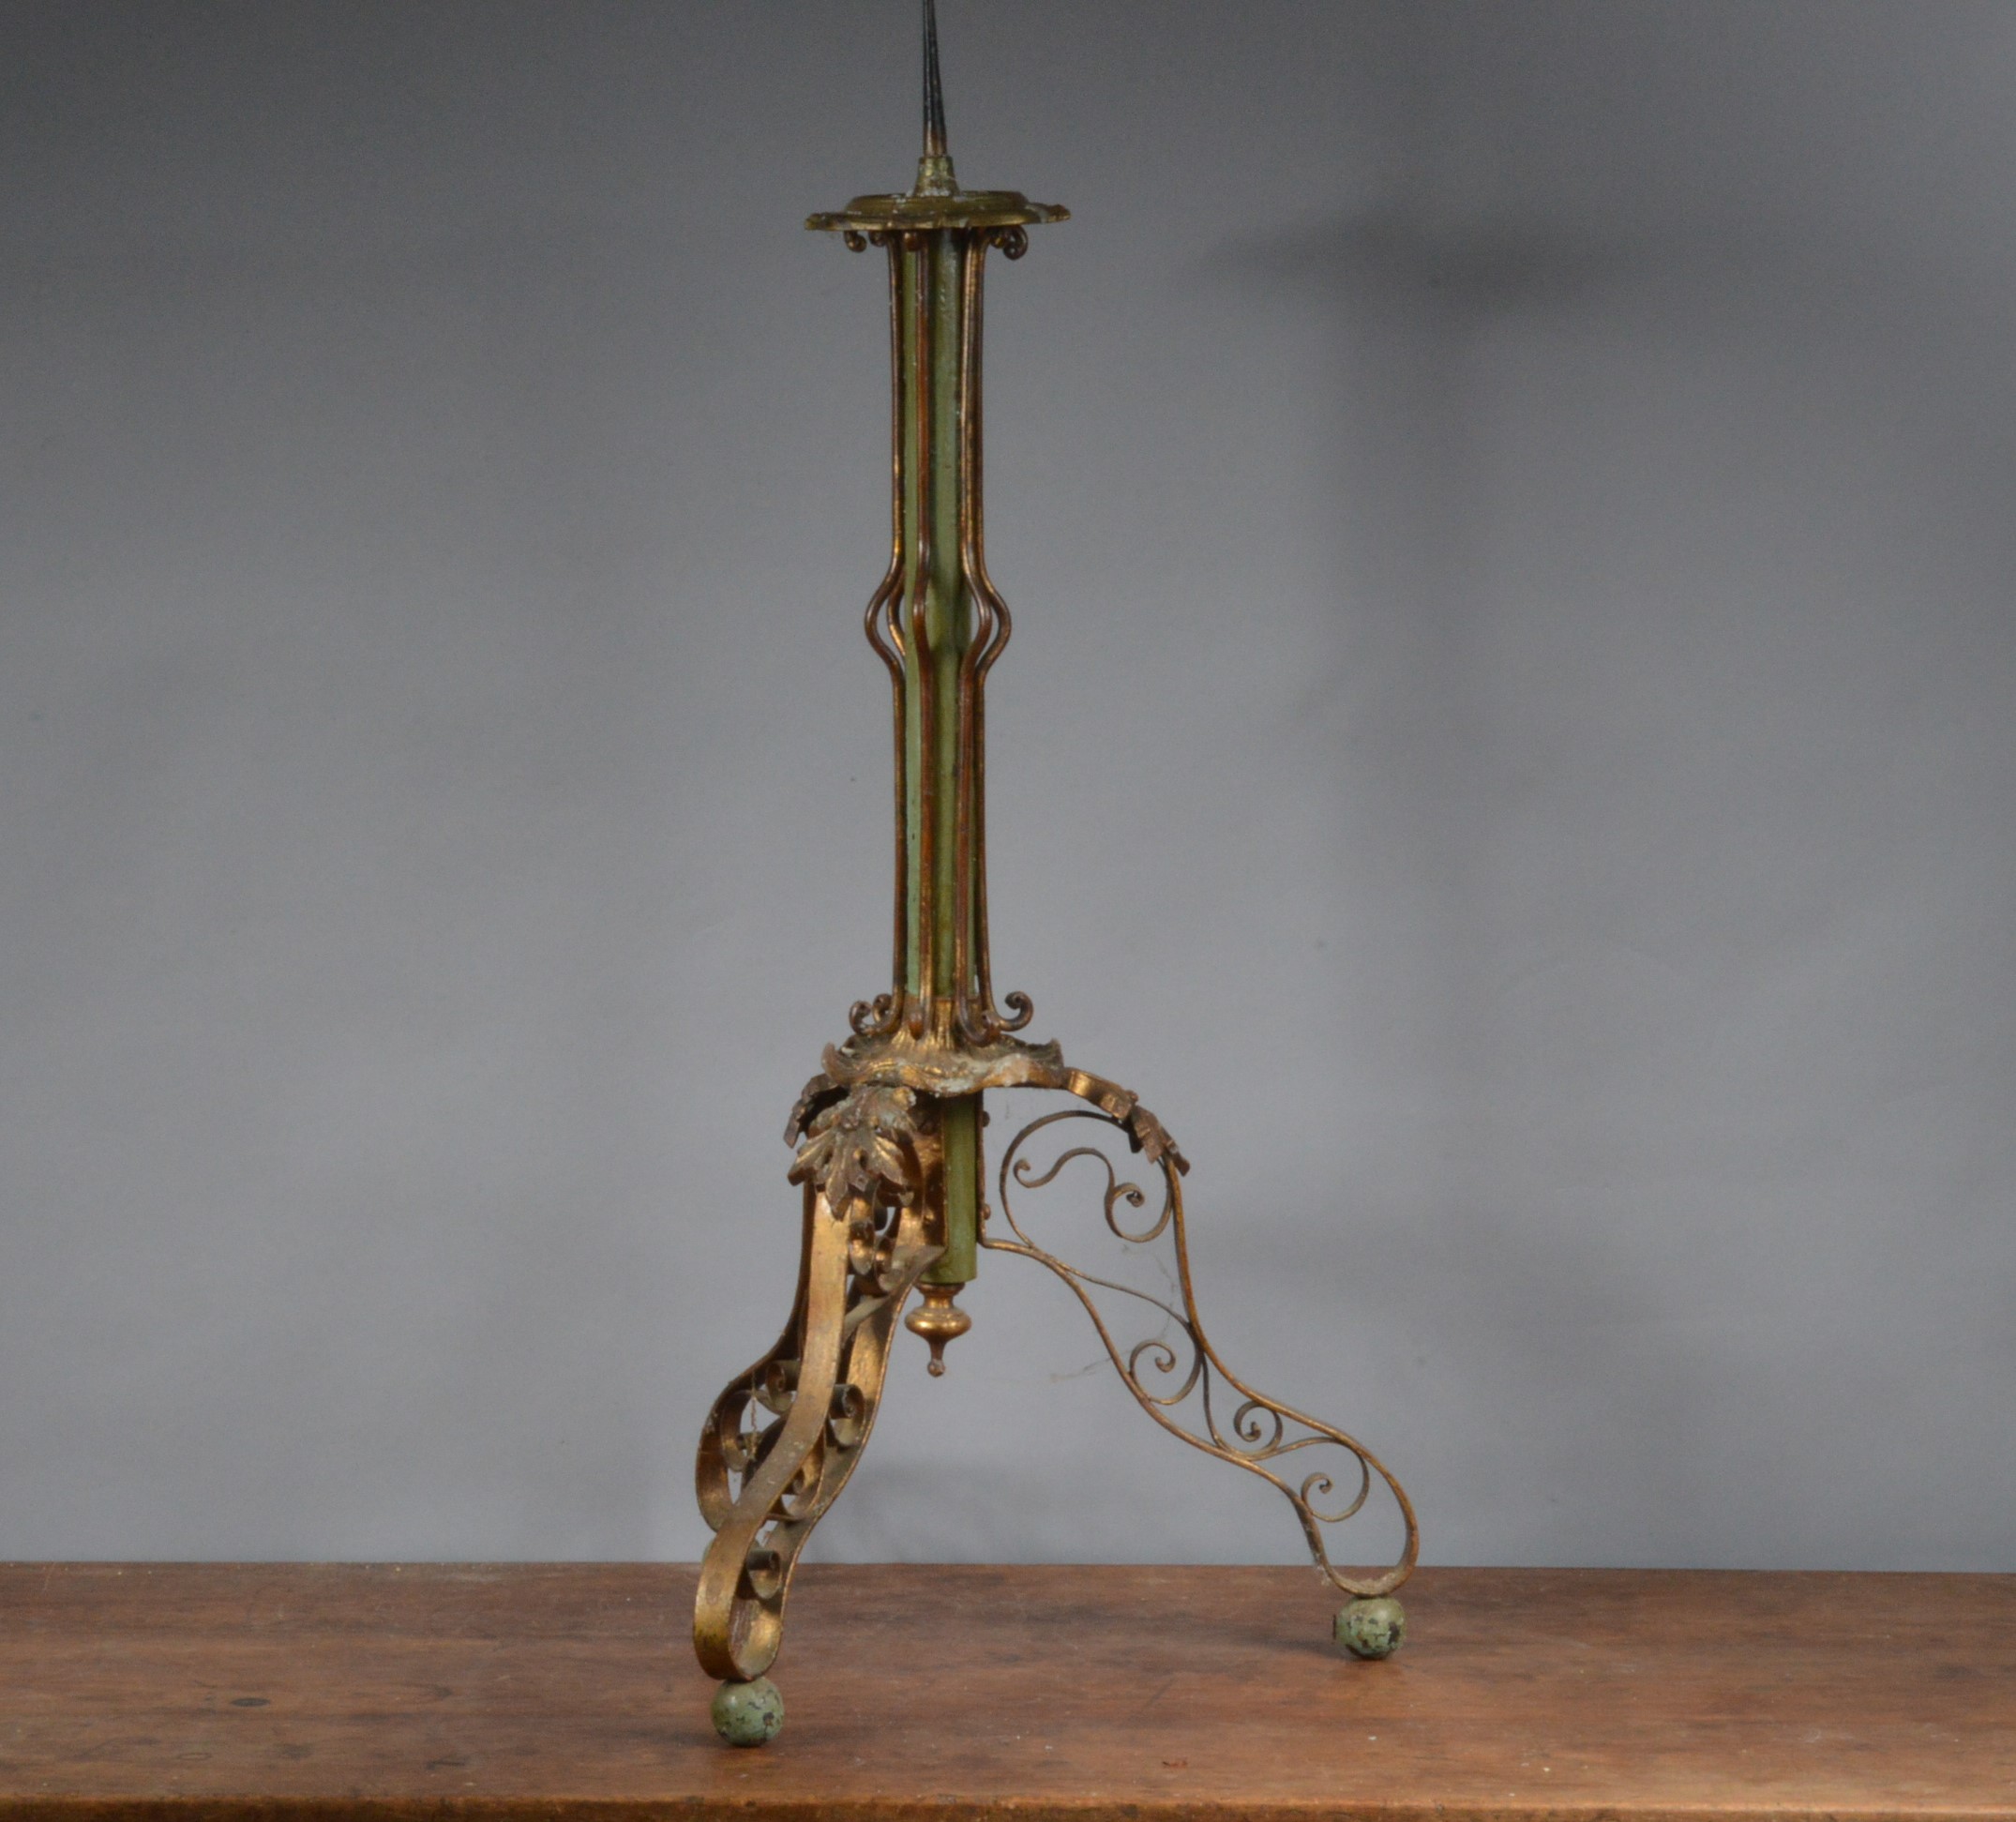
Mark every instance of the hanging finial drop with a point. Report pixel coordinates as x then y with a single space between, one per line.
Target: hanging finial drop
934 170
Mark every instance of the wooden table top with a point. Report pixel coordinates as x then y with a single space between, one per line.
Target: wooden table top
950 1692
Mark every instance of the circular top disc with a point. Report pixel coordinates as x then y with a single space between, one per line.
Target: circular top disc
963 208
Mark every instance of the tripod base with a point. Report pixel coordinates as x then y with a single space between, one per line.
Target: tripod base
783 1438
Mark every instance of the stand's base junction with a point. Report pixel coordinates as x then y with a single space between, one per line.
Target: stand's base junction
784 1436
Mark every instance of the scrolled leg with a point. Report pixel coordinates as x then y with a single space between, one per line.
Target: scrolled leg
1175 1374
783 1438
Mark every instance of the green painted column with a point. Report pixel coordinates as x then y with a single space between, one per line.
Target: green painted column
949 619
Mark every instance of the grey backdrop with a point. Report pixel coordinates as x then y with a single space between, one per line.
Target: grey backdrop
1508 748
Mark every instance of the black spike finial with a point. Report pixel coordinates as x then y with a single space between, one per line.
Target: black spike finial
934 96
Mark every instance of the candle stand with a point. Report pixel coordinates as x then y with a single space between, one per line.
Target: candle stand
889 1160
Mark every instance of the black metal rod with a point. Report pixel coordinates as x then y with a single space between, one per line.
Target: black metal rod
934 96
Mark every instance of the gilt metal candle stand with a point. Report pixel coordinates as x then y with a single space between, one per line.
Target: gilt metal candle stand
889 1132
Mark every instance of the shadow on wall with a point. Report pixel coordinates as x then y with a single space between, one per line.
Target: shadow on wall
1660 714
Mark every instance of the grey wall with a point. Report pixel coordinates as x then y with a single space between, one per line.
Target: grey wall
1508 748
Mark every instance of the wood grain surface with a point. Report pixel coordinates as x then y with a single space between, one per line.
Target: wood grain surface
271 1691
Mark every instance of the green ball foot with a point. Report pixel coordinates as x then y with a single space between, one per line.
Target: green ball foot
748 1714
1373 1628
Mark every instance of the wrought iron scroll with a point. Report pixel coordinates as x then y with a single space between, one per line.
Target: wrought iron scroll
783 1438
1176 1375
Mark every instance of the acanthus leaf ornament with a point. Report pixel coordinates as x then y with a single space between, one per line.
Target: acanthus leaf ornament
857 1151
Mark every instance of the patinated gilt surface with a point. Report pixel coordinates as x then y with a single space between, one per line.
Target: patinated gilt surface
890 1130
